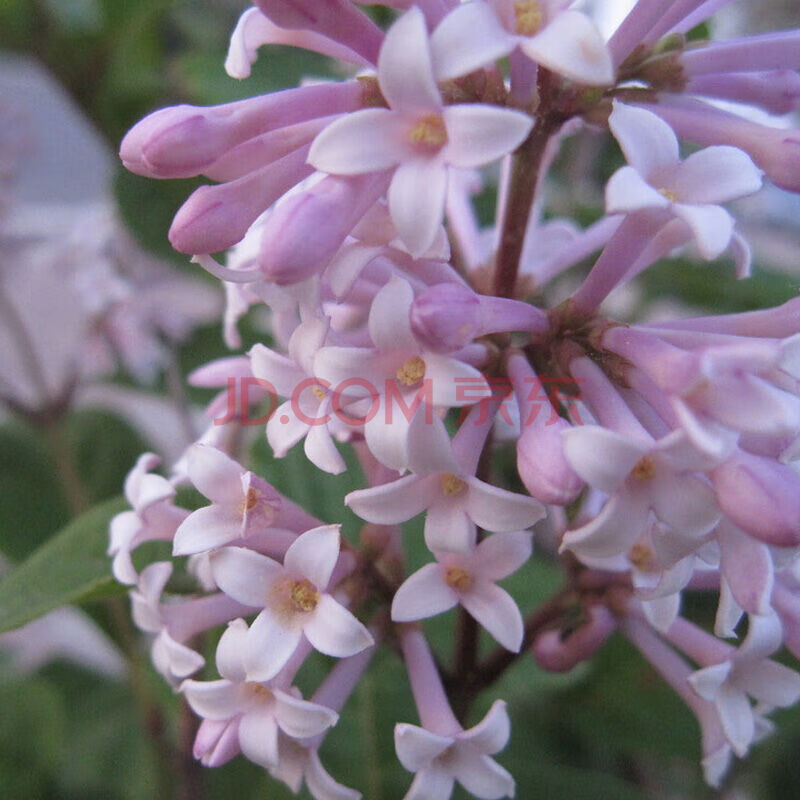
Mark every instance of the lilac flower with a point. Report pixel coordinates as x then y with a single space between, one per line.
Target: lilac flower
658 180
262 709
417 134
469 580
294 600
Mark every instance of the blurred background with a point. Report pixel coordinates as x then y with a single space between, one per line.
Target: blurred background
100 322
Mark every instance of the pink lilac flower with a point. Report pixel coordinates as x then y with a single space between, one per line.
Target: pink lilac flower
418 135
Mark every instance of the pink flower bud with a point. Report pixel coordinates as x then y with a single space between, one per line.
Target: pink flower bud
449 316
761 496
216 742
557 652
542 466
304 233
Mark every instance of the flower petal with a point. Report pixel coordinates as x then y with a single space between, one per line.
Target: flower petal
481 776
206 529
627 191
684 502
258 737
334 631
712 227
416 202
370 140
454 383
244 575
321 785
496 509
393 502
491 734
497 612
214 474
321 451
301 718
389 324
498 556
230 651
572 46
314 554
601 457
432 782
715 175
417 747
448 528
646 140
213 699
479 134
423 594
270 644
405 73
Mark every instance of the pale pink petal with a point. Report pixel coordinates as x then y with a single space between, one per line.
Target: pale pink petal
746 565
468 38
572 46
213 699
282 372
370 140
300 718
498 556
214 474
491 734
285 429
736 716
321 785
497 612
386 434
601 457
389 325
715 175
770 682
416 747
258 737
479 134
416 202
662 611
649 144
454 383
244 575
613 531
340 364
393 502
496 509
230 651
314 554
423 594
448 528
432 783
480 775
712 227
206 529
627 191
405 73
321 451
270 644
334 631
684 502
429 447
708 681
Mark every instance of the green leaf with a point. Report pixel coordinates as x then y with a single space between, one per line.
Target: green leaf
70 568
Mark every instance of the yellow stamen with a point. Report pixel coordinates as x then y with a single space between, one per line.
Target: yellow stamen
644 469
304 596
413 371
250 500
670 195
452 485
318 393
429 133
458 578
259 691
529 17
642 557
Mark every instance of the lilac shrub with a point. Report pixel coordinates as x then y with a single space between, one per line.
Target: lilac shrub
656 457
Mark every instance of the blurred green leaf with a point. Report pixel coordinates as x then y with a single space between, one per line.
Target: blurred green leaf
71 568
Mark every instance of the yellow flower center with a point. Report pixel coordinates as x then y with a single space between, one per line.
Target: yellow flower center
642 557
250 500
452 485
429 134
318 393
259 691
670 195
529 17
459 578
644 469
413 371
303 595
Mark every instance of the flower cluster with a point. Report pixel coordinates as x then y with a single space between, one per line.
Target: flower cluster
668 464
